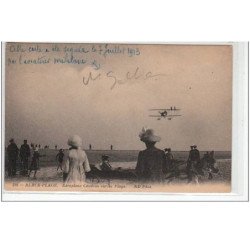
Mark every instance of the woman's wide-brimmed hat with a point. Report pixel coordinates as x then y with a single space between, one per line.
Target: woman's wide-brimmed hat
148 135
75 141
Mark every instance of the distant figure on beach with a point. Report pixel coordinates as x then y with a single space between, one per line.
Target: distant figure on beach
12 151
151 163
55 147
193 164
111 147
24 156
105 165
34 165
76 163
59 158
90 146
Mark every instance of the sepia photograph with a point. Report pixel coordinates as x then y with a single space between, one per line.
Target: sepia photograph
99 117
124 124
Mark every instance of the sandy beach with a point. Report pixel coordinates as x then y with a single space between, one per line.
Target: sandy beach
49 179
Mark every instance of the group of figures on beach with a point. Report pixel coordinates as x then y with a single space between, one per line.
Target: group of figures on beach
156 165
25 152
153 164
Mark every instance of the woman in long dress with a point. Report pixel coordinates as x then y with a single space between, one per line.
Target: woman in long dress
76 164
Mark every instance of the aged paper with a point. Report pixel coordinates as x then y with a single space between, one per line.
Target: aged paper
118 117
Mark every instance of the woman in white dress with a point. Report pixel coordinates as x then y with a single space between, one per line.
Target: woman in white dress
76 163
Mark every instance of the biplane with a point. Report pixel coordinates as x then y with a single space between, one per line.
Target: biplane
168 113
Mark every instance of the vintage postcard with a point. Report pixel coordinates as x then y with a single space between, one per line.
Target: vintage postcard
117 117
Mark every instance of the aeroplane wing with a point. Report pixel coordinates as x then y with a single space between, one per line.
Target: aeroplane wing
155 115
173 109
158 109
165 109
172 115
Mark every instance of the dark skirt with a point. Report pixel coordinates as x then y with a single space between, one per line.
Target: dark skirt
34 165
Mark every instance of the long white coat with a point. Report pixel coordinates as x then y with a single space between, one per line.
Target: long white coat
76 164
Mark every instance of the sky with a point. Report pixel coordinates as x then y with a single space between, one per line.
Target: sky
46 103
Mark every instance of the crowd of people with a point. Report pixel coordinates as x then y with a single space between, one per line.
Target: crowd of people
153 164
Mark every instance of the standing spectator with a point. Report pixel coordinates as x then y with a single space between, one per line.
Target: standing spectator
76 163
59 158
169 158
34 166
24 155
111 147
12 151
196 153
151 163
171 165
193 164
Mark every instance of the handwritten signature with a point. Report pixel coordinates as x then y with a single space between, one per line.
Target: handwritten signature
110 75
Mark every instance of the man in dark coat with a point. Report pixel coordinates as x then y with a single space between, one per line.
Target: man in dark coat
59 158
151 163
169 158
24 155
171 165
193 164
196 153
12 151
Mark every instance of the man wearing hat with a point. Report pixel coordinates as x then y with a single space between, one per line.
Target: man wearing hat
196 153
192 154
193 163
105 165
151 163
12 151
24 155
